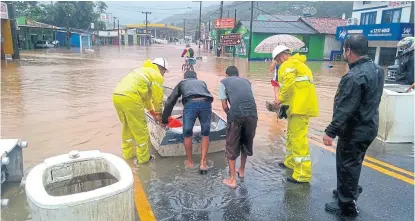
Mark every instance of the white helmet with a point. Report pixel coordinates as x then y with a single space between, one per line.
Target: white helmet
162 62
277 50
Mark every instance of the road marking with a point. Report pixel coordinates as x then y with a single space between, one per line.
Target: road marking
145 212
398 169
142 205
370 165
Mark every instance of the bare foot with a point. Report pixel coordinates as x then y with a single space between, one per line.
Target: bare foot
231 183
241 173
188 164
203 166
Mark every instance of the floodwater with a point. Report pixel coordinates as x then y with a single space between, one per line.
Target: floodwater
60 101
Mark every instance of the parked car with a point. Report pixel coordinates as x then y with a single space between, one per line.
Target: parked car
44 44
55 43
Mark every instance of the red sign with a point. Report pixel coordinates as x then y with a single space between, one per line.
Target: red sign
396 4
225 23
230 39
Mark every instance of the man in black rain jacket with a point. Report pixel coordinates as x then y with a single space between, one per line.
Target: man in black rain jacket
355 121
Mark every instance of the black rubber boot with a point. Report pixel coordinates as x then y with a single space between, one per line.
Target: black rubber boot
335 192
346 209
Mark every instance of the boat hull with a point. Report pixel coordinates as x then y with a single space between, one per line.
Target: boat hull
169 141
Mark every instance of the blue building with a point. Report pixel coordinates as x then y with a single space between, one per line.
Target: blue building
77 39
383 23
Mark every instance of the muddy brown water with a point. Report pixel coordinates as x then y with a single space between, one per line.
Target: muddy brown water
60 101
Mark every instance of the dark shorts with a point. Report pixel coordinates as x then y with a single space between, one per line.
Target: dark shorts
200 109
240 135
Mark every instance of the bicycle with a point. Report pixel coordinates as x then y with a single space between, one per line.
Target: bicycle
189 65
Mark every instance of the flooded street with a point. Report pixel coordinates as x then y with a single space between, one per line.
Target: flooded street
61 101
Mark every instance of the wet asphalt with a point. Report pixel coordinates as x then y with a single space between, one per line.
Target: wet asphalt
48 94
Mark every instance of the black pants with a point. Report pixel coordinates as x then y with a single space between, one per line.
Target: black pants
349 158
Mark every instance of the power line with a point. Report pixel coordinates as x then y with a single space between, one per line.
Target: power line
153 9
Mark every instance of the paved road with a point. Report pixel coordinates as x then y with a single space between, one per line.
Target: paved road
265 195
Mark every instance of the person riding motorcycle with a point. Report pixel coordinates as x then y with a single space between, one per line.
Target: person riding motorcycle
405 72
189 52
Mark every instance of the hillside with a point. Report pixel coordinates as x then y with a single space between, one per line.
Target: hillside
324 9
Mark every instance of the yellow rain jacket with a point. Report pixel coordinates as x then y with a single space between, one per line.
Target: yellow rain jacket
145 85
297 88
140 89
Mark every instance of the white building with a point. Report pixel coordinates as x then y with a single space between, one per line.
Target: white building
384 23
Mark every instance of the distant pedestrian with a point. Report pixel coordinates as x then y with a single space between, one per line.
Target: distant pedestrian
242 119
355 121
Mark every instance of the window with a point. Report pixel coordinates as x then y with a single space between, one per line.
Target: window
391 16
372 53
368 18
387 56
367 2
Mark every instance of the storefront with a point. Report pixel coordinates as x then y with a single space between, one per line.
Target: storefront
314 42
6 32
382 38
29 32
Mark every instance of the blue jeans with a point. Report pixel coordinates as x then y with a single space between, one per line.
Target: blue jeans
197 109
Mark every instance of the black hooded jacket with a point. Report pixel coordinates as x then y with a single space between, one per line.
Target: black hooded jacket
356 104
190 87
405 73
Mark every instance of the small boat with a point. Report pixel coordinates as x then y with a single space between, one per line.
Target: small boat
169 141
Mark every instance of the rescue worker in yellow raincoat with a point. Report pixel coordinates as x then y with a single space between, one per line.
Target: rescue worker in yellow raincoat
299 98
140 89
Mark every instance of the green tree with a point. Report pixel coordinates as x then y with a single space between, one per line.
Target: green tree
75 14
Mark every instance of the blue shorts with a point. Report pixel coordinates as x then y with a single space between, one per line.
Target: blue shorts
197 109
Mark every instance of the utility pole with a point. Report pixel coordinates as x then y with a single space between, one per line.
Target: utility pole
228 13
218 46
68 33
119 39
184 30
10 8
250 30
200 24
234 47
147 25
113 19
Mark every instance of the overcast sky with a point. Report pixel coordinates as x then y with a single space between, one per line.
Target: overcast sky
130 12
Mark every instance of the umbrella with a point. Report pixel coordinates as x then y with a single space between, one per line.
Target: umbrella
268 44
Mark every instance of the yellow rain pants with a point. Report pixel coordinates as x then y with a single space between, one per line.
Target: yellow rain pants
298 153
134 128
298 91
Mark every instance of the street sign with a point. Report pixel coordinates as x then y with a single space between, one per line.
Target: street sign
4 11
230 39
225 23
103 17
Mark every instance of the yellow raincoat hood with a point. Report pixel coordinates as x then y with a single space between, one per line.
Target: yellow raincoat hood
144 85
299 57
297 88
